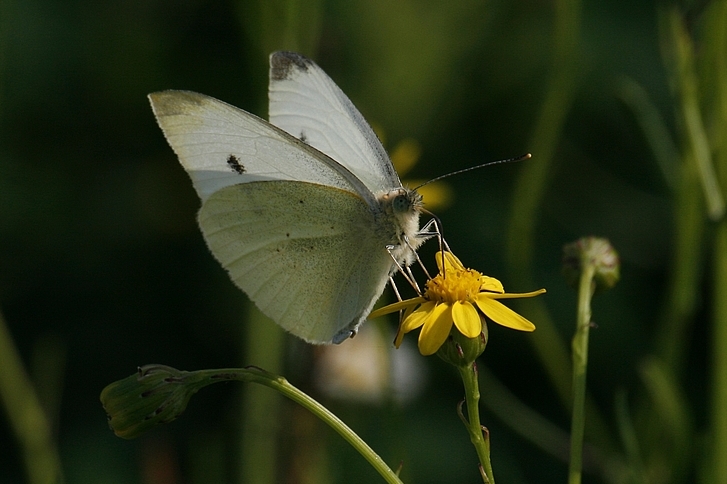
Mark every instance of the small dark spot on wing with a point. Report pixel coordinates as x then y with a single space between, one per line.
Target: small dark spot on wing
303 137
282 64
234 163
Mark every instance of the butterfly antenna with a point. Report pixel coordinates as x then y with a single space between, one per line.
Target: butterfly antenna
524 157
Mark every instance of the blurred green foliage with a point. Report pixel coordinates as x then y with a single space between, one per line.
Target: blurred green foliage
100 254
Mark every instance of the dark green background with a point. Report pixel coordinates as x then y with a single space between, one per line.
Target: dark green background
102 267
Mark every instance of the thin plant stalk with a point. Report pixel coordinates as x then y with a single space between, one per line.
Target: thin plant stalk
282 386
529 190
260 409
716 91
158 394
580 365
479 436
271 25
719 358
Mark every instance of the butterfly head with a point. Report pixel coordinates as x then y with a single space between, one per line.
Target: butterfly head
401 202
400 209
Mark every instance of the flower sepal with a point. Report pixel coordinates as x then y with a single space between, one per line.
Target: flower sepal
459 350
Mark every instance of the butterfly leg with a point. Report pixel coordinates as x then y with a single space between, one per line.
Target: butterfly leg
433 228
398 298
405 273
430 229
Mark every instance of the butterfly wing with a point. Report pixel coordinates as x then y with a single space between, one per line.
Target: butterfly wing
306 103
310 256
220 145
303 235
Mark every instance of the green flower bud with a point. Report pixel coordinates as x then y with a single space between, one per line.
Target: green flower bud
156 394
592 251
460 350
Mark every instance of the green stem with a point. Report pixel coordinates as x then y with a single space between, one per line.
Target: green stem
260 409
716 40
719 356
580 364
281 385
683 293
26 416
695 134
532 183
479 436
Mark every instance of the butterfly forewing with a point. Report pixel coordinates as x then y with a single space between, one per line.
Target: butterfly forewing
306 103
220 145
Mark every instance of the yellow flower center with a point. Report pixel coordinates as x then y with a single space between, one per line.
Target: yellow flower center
458 285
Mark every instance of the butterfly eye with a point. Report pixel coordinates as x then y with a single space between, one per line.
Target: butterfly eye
401 203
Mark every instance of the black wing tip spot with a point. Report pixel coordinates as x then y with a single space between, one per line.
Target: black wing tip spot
282 64
234 163
173 102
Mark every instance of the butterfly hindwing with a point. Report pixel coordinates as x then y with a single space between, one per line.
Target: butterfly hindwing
309 256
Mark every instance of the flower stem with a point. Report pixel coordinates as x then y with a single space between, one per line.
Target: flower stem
580 364
260 412
479 436
281 385
533 181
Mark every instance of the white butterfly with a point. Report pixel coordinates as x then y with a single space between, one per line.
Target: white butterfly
306 212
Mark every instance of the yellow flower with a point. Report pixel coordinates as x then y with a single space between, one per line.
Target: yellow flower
453 297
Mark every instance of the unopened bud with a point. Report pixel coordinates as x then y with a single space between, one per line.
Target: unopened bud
592 251
156 394
460 350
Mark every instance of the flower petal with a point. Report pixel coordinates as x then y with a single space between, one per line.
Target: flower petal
501 314
418 317
491 284
514 295
412 320
407 312
436 329
466 319
397 306
451 262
